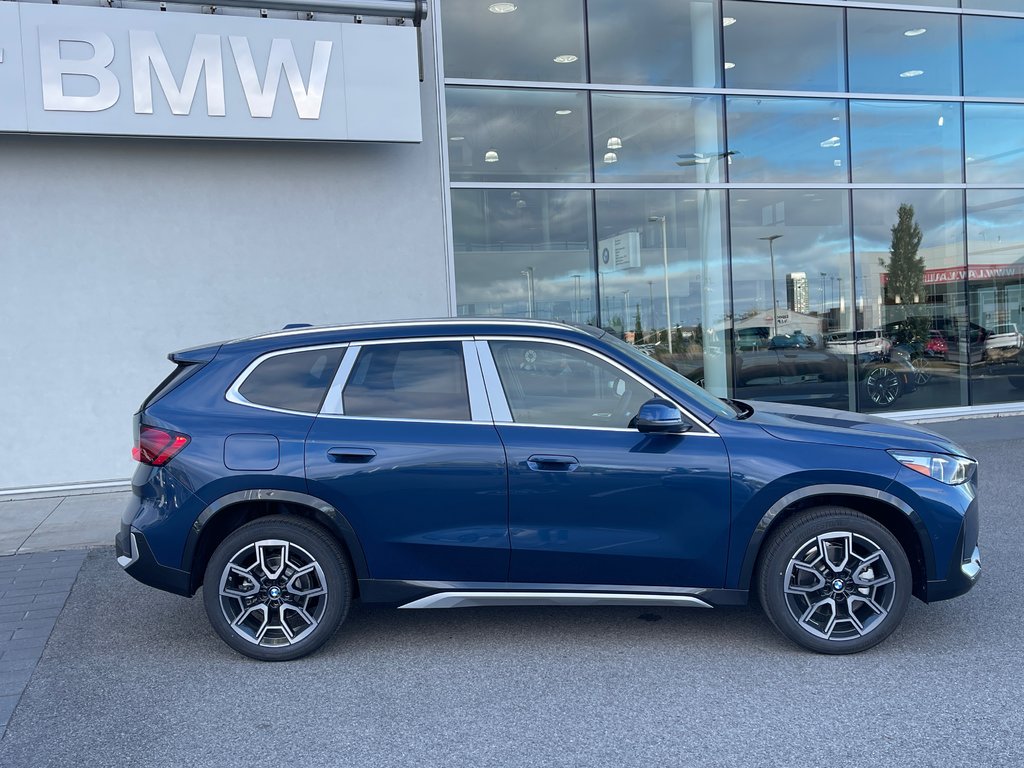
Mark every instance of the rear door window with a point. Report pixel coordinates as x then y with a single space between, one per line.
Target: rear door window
293 381
418 380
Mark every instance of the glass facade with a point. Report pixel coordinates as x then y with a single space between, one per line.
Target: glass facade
826 214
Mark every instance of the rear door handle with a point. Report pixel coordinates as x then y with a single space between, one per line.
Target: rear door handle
547 463
351 455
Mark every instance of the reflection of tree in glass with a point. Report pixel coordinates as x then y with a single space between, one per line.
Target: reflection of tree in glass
905 284
638 328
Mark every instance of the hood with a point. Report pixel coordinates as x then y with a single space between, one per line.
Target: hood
825 426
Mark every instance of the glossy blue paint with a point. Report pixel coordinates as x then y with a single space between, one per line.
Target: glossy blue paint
638 509
485 503
431 501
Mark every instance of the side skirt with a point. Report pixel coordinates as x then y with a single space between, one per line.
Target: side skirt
443 594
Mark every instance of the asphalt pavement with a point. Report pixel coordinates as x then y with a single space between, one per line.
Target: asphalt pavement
133 676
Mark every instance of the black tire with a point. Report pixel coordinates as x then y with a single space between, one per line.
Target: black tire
279 569
797 579
882 386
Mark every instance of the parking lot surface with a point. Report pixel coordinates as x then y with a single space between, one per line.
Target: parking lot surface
132 676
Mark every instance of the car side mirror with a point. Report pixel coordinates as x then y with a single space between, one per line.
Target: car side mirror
660 416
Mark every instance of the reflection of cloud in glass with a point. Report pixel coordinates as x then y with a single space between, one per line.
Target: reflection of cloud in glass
993 141
991 45
777 46
513 46
884 59
902 141
786 139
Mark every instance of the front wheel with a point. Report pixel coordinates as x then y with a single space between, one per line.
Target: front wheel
277 588
834 581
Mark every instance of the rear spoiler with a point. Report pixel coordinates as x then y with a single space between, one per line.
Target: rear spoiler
195 355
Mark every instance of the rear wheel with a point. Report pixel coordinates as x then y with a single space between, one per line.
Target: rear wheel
834 581
923 369
277 588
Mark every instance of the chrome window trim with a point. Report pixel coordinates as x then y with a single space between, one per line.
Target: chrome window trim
706 431
332 402
479 404
479 411
234 396
500 412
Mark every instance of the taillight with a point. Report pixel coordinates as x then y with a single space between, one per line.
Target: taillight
157 446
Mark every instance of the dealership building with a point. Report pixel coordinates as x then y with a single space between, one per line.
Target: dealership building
712 179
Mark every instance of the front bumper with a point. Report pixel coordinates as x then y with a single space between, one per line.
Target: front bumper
135 556
964 568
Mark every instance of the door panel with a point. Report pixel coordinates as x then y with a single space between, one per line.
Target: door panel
635 509
412 461
590 499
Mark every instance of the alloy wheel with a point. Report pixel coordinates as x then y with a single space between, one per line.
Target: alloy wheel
839 586
273 593
883 386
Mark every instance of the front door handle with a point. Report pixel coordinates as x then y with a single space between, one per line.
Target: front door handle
547 463
351 455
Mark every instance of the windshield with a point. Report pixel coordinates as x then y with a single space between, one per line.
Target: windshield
646 363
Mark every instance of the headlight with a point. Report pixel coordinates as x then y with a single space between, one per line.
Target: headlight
951 470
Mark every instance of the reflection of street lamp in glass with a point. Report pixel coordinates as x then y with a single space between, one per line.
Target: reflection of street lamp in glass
576 298
775 304
528 274
664 254
650 291
625 310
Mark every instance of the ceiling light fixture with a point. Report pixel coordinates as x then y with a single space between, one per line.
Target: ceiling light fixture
502 7
912 73
456 138
611 157
614 143
565 58
829 143
563 112
728 21
915 32
491 156
942 121
729 65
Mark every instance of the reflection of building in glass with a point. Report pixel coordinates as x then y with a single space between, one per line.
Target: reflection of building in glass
797 291
901 214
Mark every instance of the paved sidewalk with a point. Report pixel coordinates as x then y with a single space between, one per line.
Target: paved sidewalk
62 522
33 589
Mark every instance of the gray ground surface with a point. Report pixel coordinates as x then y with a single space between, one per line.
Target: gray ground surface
132 676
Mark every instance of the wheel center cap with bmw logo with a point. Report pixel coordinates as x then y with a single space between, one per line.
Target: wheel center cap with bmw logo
838 585
274 592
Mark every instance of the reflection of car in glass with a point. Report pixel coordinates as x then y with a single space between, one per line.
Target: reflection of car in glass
1003 340
748 339
936 344
858 343
965 342
789 372
460 463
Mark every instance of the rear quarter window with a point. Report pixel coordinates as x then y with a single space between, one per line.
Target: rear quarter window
292 381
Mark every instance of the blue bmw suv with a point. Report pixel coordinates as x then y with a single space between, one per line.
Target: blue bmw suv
447 463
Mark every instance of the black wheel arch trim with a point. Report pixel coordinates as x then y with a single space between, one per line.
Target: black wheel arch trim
340 524
825 490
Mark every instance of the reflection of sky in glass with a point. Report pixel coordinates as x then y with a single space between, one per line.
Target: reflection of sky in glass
521 45
694 225
936 3
656 132
522 127
653 42
995 226
905 141
814 225
883 57
784 47
994 143
995 5
991 50
500 234
787 139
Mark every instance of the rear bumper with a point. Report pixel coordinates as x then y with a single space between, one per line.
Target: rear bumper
135 556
